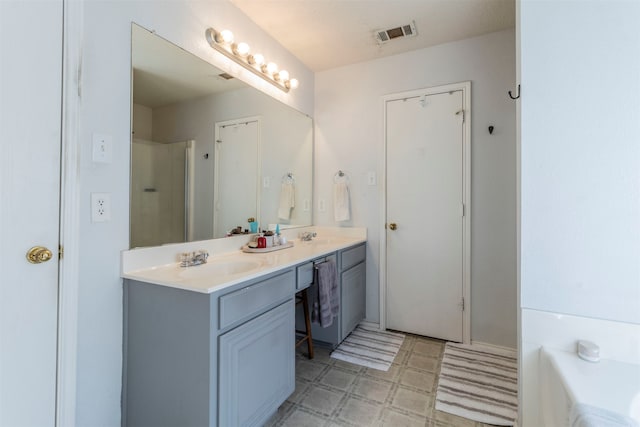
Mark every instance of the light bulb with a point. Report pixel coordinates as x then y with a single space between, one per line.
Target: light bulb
272 68
282 76
293 83
256 59
241 49
224 36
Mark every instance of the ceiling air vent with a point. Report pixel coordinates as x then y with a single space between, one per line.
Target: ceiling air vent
385 36
225 76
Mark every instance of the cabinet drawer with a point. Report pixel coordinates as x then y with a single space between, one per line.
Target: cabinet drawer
305 272
245 302
351 257
305 275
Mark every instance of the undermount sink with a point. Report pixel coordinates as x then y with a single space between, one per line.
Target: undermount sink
222 267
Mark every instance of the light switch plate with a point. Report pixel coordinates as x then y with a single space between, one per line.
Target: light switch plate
102 148
371 178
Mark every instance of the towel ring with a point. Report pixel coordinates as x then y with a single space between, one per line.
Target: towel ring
288 178
340 176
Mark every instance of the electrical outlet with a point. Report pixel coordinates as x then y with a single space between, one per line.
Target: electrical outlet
306 205
322 205
266 182
100 207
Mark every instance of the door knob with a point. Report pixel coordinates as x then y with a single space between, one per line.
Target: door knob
38 254
393 226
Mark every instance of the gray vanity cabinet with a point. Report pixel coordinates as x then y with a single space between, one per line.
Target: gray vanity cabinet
351 264
257 368
219 359
354 284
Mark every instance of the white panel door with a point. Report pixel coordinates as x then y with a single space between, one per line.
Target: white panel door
236 176
424 202
30 135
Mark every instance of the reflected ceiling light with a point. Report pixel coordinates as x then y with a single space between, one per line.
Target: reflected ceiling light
223 42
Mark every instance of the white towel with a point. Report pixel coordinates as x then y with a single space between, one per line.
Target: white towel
341 204
287 200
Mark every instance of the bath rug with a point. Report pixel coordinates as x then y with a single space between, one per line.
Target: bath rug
370 347
479 383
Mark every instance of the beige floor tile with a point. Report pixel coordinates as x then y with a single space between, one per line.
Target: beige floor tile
358 412
428 348
411 401
308 369
425 381
301 387
372 389
391 375
322 400
421 362
348 366
337 378
401 357
391 418
300 418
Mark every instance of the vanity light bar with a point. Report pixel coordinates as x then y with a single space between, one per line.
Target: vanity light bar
239 52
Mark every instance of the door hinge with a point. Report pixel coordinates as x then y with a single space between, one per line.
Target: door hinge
462 209
462 304
463 114
60 251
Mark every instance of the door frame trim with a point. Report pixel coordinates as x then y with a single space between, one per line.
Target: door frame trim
465 87
69 237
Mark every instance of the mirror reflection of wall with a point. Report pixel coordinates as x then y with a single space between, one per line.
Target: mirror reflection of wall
178 101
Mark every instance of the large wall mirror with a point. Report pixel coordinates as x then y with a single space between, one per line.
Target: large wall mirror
210 152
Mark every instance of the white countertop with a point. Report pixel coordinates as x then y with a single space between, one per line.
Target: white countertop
158 265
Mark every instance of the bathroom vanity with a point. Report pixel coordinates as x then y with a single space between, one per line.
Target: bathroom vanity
214 344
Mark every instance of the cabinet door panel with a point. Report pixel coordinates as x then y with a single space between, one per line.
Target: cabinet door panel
257 367
353 298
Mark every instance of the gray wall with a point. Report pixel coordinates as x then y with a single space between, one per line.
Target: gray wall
349 136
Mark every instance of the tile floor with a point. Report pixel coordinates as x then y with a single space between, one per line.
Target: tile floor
331 392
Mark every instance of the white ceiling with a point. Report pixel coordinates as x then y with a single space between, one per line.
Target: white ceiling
326 34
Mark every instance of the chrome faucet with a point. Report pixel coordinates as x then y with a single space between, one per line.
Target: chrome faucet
307 236
190 259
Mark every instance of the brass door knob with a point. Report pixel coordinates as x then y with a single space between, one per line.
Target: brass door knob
393 226
38 254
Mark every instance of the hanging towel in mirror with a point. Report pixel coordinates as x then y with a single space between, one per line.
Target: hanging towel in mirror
287 200
341 203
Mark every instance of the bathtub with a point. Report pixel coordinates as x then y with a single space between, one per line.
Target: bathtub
566 380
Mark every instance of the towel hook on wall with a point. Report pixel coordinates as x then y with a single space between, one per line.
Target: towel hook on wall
516 97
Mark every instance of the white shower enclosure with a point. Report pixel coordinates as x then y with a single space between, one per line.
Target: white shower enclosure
162 188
